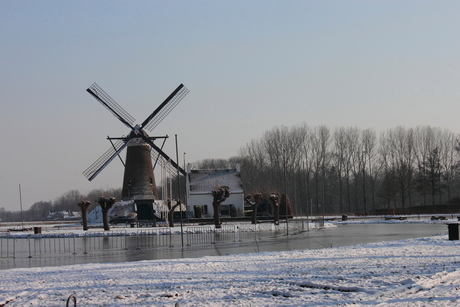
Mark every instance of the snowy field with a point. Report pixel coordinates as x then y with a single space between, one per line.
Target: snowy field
412 272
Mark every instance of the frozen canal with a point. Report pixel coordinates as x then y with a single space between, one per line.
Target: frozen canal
342 235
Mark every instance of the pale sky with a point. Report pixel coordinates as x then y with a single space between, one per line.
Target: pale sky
249 66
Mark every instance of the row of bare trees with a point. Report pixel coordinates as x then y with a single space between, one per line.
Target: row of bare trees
349 170
346 170
40 210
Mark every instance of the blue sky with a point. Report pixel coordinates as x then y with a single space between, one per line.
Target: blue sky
249 66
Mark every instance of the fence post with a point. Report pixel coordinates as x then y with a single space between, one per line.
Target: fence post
137 240
30 252
85 240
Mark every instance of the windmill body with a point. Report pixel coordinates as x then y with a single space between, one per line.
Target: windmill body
138 179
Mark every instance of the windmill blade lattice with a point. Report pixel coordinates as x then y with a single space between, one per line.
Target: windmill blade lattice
111 105
165 108
165 164
104 160
163 154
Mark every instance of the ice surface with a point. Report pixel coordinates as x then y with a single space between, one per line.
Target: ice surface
413 272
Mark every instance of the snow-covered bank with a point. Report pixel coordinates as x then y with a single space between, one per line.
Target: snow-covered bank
413 272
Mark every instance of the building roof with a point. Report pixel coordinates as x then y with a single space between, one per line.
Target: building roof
205 181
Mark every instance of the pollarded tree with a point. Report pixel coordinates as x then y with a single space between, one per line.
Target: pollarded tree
106 204
274 200
218 196
84 205
254 201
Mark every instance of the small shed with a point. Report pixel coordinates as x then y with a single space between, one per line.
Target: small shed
201 183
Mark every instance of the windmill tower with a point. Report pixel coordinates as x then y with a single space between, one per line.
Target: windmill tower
138 179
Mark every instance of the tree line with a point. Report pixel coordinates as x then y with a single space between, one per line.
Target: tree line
67 201
346 170
350 170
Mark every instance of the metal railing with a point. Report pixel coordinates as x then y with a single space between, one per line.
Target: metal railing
241 233
96 242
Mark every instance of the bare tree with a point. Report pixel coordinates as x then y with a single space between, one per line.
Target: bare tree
320 141
213 164
338 159
398 152
368 141
359 172
372 163
257 199
308 163
254 167
219 195
425 142
449 160
352 139
84 204
106 204
67 200
38 211
171 209
274 200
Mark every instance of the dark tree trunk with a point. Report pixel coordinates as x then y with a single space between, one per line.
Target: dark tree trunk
84 218
106 204
217 221
170 214
219 196
274 198
171 211
254 205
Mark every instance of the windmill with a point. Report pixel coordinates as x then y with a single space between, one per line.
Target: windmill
138 179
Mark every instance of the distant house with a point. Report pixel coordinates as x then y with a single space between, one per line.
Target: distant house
201 183
64 215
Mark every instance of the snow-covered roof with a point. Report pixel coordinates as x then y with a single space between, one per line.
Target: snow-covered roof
64 214
205 181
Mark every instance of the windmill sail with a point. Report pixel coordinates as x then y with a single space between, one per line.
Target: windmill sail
95 168
165 108
111 105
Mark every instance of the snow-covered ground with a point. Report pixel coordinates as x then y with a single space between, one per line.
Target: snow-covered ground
412 272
